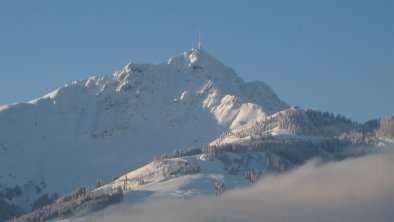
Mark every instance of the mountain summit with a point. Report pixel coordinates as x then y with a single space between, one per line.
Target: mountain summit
95 128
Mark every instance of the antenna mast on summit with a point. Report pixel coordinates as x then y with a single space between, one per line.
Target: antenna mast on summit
199 40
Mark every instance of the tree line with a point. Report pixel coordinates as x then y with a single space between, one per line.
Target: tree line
78 203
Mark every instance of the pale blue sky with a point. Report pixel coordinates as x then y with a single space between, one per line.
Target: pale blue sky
328 55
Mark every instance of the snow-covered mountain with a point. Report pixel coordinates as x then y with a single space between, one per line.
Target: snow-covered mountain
102 127
97 128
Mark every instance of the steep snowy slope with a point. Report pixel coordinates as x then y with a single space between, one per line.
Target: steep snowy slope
95 128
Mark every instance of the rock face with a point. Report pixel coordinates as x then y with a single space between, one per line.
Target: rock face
102 126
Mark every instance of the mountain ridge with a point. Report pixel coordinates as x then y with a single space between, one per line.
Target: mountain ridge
94 128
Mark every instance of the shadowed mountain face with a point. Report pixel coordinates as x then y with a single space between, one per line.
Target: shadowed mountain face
99 127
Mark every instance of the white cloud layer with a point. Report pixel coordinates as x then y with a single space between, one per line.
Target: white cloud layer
354 190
